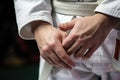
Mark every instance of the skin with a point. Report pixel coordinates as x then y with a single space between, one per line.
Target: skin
56 45
87 34
49 41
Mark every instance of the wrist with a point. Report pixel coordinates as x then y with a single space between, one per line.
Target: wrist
102 18
110 20
39 25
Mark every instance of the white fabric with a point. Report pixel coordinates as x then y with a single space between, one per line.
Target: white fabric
32 10
116 63
44 70
109 7
79 0
75 8
85 71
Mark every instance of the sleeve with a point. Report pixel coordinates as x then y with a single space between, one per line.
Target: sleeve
31 10
109 7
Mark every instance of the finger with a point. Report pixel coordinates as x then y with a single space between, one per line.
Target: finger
49 61
75 47
69 41
81 52
90 52
57 61
60 63
60 52
46 57
51 58
45 53
66 26
64 36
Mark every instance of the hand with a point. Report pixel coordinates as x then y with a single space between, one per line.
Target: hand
49 41
86 35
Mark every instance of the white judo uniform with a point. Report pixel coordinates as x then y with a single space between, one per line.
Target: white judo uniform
100 62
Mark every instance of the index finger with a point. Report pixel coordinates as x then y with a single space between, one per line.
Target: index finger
61 53
68 42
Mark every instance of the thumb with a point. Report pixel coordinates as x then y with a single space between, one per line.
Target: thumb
67 25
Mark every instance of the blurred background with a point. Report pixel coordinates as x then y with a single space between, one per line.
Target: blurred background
19 59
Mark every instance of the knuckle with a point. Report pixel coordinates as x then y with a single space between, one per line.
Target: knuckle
51 44
64 33
45 49
74 36
80 41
